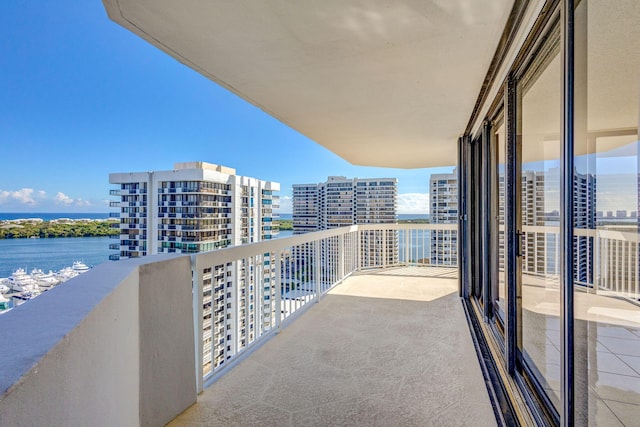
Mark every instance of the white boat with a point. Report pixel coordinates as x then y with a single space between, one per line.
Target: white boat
66 274
80 266
44 279
26 295
20 281
3 287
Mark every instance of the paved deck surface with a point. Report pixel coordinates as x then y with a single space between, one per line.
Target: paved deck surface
387 348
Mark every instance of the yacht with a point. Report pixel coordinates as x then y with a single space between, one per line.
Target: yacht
66 273
44 279
20 281
80 266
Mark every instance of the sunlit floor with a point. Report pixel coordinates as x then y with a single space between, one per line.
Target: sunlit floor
386 347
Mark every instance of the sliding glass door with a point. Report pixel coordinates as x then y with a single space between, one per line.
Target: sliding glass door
539 115
606 187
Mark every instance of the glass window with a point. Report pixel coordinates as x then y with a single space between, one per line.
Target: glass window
539 129
499 295
606 185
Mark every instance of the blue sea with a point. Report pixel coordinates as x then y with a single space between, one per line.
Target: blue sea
48 216
52 254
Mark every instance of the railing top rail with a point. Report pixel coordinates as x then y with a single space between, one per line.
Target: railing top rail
230 254
627 236
369 227
234 253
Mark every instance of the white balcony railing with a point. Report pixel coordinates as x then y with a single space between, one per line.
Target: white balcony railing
607 260
279 278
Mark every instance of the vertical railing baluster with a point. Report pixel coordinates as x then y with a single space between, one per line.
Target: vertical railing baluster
316 272
196 289
279 314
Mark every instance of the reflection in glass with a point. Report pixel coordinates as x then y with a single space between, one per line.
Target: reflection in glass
499 283
539 129
607 293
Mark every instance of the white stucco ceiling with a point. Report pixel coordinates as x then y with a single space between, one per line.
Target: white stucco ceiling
380 83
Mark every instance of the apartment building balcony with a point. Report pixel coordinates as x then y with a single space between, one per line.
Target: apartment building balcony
147 306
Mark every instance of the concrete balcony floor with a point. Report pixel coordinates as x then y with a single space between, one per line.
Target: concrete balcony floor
386 347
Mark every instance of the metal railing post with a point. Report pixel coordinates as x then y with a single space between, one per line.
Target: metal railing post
278 285
196 290
316 272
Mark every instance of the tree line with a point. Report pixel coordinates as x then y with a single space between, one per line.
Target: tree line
47 229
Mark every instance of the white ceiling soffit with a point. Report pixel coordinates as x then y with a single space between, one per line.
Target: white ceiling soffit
380 83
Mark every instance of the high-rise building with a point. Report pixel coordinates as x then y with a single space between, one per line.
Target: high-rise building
340 202
198 207
306 216
541 256
443 194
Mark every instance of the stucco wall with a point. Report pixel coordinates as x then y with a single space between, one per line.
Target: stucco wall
167 351
113 346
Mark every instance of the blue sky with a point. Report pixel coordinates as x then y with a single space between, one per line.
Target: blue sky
82 97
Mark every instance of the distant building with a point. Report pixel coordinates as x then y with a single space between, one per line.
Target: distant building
621 213
443 195
198 207
340 202
195 207
306 215
541 255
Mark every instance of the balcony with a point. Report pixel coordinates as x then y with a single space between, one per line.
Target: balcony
369 331
147 307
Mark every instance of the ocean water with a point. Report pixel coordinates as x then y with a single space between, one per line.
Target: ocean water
48 216
52 254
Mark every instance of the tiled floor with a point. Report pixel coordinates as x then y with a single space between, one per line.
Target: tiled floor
607 350
385 348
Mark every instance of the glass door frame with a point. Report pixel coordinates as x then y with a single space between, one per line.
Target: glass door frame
479 229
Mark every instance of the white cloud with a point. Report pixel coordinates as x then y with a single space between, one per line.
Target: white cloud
23 196
29 199
285 205
413 203
63 199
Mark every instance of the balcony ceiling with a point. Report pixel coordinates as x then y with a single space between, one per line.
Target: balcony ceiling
379 83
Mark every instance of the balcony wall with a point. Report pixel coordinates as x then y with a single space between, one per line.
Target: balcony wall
113 346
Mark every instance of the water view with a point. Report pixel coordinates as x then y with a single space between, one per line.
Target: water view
51 254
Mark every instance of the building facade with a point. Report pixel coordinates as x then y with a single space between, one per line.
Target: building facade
340 202
199 207
196 207
443 196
